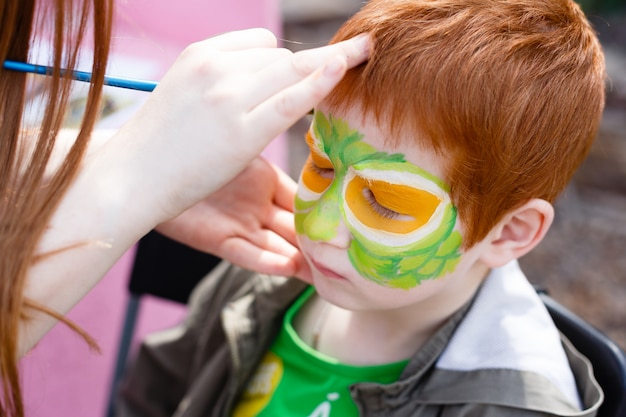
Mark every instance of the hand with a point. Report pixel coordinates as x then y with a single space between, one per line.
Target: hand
220 104
248 222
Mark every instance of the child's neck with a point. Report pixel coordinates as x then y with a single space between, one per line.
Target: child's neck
360 337
374 337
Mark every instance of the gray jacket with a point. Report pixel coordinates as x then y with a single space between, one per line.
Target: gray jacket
199 368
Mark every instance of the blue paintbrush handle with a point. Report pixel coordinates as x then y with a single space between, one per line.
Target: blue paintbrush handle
133 84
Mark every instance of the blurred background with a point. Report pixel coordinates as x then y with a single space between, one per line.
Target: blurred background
581 262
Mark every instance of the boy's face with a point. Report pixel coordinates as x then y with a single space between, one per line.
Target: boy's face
371 216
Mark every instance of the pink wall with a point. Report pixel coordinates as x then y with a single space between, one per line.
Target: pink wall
162 28
61 377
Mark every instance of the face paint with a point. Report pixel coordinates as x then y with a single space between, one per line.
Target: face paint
400 216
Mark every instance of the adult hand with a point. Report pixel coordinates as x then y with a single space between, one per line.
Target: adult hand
220 104
248 222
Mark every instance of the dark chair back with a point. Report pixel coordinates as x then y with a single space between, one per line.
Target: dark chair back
168 269
607 358
162 268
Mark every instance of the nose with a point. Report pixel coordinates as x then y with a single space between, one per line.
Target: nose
325 222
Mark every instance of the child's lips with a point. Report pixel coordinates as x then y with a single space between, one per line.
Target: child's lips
326 271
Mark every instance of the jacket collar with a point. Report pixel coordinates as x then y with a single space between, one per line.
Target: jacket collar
454 366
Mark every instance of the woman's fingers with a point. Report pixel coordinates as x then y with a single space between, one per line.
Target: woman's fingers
281 222
280 111
285 188
296 67
269 257
251 62
355 51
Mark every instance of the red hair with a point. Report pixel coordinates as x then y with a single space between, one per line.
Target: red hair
29 197
510 92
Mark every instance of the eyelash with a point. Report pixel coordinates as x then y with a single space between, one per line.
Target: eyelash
324 172
380 210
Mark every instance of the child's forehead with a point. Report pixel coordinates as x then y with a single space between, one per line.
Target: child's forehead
404 141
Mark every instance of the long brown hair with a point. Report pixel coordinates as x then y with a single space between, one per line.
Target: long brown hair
29 195
510 92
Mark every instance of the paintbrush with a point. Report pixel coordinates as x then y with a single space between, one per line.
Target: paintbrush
130 83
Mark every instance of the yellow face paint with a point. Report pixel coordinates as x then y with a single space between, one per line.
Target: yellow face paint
313 177
390 207
317 171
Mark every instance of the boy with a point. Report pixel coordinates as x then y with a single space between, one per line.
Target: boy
432 168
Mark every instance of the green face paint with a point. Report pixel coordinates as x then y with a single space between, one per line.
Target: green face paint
400 216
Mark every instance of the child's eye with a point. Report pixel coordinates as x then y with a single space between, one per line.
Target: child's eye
315 177
377 207
323 172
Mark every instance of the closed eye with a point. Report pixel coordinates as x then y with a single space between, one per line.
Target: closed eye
323 172
377 207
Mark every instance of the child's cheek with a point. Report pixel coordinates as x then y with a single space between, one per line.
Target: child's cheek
300 207
318 217
408 265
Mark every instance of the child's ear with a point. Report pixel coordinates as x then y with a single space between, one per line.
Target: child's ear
518 232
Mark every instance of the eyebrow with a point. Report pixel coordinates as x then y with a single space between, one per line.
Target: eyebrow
119 82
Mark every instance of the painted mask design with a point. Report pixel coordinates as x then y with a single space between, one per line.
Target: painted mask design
400 216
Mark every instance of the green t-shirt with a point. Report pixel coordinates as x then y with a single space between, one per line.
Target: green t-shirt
294 379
